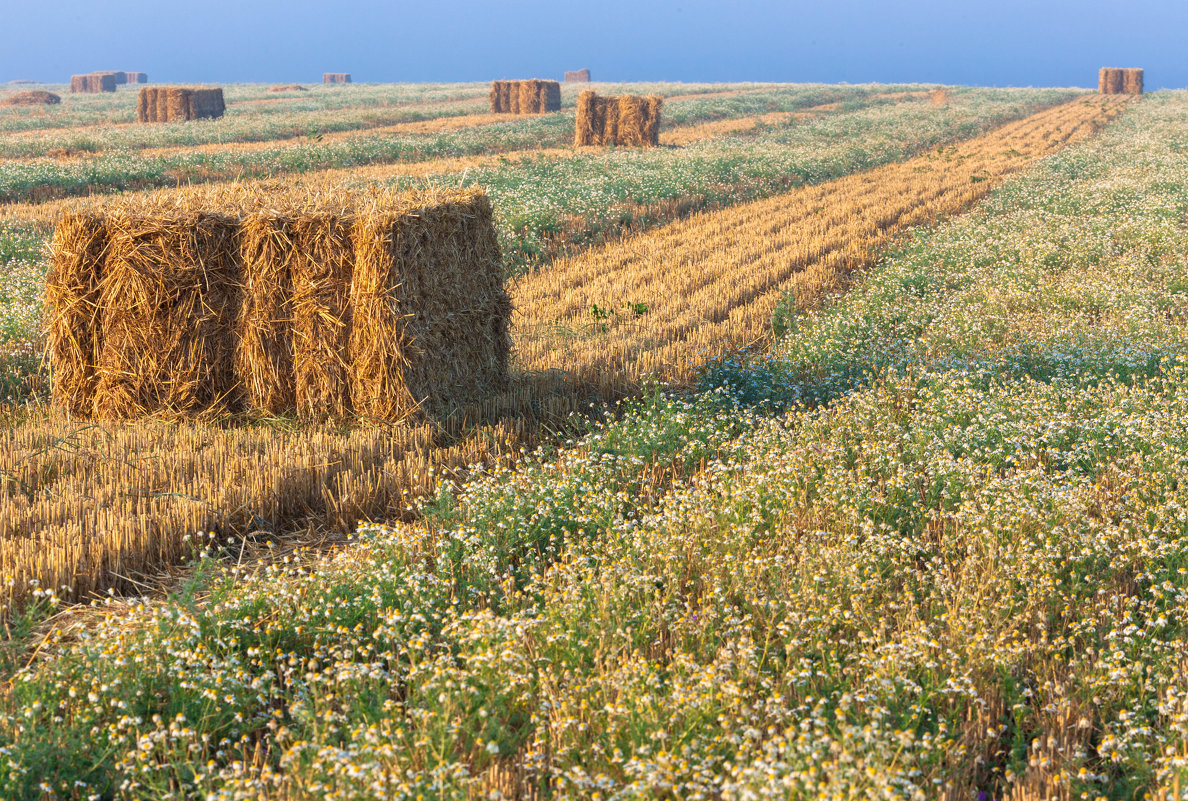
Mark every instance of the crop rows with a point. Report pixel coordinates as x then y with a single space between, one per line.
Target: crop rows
664 303
84 506
964 576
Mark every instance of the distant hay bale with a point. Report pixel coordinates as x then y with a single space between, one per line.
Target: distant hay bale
1120 81
577 76
137 77
1132 82
376 304
176 103
525 97
288 87
336 77
119 77
939 97
624 120
34 97
93 83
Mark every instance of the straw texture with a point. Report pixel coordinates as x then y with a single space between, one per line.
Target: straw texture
577 76
1120 81
375 304
92 83
525 97
176 103
625 120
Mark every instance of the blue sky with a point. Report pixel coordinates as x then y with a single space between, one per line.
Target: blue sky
1008 43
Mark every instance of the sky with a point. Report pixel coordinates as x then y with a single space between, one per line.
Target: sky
1006 43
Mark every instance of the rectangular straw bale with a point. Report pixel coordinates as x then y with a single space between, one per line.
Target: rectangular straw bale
429 288
120 78
206 103
72 309
176 103
336 77
626 120
264 351
322 271
1132 81
92 83
525 97
170 294
137 77
577 76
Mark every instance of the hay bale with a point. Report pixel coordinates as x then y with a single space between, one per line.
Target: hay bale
525 97
264 350
288 87
72 309
323 269
428 286
625 120
34 97
137 77
336 77
120 78
374 305
92 83
1111 81
168 300
577 76
1132 81
176 103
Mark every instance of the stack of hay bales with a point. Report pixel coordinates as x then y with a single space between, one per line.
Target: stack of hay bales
577 76
374 305
137 77
35 97
627 120
92 83
119 77
525 97
336 77
1120 81
177 103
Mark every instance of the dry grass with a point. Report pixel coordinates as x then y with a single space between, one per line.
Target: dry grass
664 302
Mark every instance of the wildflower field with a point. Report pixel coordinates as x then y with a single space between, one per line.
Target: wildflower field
894 505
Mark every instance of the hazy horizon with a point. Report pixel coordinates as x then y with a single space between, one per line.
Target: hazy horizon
1011 43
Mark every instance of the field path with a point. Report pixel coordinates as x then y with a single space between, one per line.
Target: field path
666 301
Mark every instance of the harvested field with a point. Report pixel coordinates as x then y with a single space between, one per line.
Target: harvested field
589 327
620 313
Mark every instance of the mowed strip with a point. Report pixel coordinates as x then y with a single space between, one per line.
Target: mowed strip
664 302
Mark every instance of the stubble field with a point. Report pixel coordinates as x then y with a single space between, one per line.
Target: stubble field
842 458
